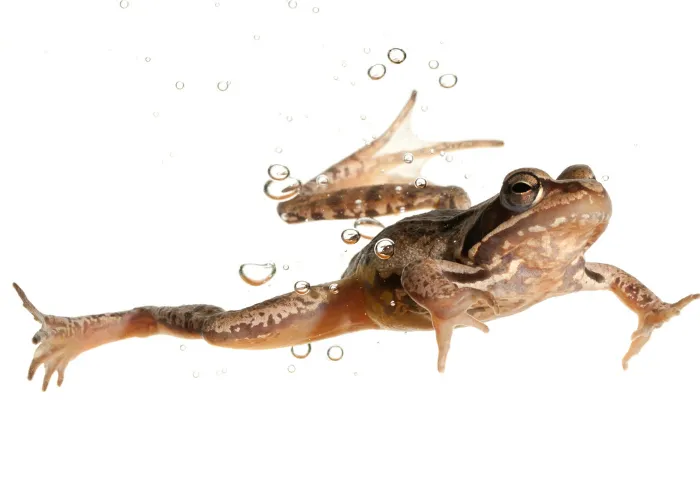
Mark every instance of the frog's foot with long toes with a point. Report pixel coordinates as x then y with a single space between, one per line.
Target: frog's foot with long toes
449 305
651 311
380 178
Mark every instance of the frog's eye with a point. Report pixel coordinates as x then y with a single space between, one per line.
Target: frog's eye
576 172
520 191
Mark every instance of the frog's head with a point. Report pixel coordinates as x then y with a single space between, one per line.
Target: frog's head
539 220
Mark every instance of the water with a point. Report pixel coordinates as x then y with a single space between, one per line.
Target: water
384 249
448 81
397 56
257 274
277 172
377 72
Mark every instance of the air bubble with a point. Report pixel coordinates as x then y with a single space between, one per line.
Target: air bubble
297 353
290 118
397 56
384 248
292 4
278 172
224 370
148 59
156 114
315 10
222 86
183 347
257 274
123 4
363 117
195 374
335 77
335 353
367 50
448 158
392 304
291 368
302 287
377 72
322 180
179 85
424 108
282 190
408 158
278 150
448 81
433 64
420 183
368 227
333 288
605 178
256 37
285 267
350 236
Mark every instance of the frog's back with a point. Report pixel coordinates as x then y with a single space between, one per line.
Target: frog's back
432 234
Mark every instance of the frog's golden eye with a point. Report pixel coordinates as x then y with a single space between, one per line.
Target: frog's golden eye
520 191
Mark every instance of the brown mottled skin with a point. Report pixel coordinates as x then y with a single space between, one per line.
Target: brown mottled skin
453 266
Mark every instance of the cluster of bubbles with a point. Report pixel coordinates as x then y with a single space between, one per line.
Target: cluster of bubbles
281 186
397 56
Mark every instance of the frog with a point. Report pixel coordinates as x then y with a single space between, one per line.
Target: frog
453 266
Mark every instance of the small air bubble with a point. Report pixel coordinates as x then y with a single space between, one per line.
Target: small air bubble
179 85
605 178
433 64
256 37
217 4
285 267
315 10
442 153
183 347
335 77
195 374
298 353
290 118
392 304
291 368
344 64
335 353
282 190
278 149
278 172
156 114
350 236
148 59
333 288
448 158
368 227
377 72
224 370
222 86
322 180
292 4
408 158
367 50
363 117
397 56
257 274
448 81
123 4
384 248
420 183
424 108
302 287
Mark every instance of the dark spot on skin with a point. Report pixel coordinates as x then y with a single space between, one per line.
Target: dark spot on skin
270 320
334 199
374 193
597 277
389 209
279 315
479 275
261 314
339 214
371 212
314 295
317 216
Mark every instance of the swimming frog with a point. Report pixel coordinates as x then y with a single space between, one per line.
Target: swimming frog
453 266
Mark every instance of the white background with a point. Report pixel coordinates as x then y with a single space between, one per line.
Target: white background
105 206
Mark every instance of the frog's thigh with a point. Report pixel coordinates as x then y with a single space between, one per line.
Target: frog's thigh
428 283
370 201
651 311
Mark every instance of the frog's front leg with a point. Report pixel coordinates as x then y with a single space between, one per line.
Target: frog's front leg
442 287
651 311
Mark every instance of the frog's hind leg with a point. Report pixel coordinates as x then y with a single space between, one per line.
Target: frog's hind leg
443 288
378 179
651 311
291 319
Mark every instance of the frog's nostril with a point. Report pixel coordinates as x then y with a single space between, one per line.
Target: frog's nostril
520 187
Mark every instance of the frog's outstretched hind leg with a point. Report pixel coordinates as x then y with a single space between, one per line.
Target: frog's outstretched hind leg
324 311
427 283
651 311
380 174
